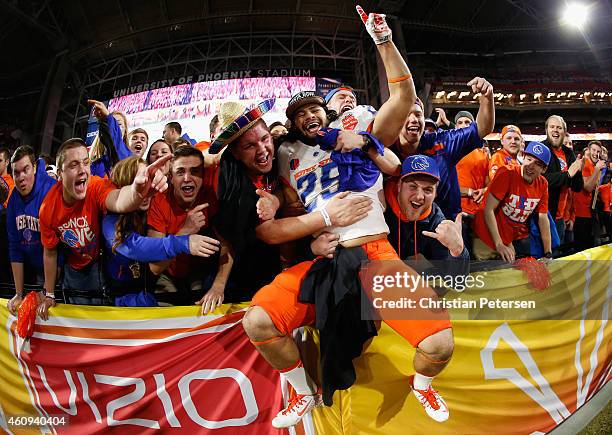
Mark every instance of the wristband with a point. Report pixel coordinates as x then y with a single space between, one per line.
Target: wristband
326 218
400 79
548 255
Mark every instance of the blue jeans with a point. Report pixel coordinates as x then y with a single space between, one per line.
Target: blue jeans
560 224
84 286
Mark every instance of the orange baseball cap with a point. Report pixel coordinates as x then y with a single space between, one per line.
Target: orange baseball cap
511 128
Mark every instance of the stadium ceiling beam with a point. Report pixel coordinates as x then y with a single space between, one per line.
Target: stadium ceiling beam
125 17
51 30
528 8
476 12
278 49
235 15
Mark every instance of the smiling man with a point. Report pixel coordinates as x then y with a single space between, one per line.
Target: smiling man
317 176
447 148
516 192
423 226
564 173
70 215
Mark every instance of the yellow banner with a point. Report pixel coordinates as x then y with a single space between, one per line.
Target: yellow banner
505 377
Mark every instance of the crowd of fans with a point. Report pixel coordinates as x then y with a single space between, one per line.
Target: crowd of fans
576 197
242 216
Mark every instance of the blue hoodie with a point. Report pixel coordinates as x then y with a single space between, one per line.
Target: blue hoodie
22 221
116 149
135 251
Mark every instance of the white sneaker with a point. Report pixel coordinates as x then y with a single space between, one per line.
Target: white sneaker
434 404
298 406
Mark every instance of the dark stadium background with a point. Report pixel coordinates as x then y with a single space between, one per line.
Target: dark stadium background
58 53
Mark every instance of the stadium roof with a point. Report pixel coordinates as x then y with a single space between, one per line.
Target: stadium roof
493 38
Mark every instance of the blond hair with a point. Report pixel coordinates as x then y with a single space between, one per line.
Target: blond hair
98 148
123 174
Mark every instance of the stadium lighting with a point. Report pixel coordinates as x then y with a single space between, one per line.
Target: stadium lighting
575 15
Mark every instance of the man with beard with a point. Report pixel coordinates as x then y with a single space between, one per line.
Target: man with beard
244 179
70 214
515 193
447 148
314 175
564 173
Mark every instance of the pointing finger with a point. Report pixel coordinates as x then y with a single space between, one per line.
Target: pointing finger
158 163
362 14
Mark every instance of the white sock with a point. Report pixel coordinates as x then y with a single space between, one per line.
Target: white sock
421 382
299 379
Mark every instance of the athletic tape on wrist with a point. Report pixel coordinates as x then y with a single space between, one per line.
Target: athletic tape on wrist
326 218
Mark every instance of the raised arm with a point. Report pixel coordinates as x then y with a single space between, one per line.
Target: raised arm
392 115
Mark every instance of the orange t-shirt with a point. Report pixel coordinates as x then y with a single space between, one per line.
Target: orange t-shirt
517 201
582 199
472 171
568 214
604 192
500 159
11 185
168 217
78 225
564 193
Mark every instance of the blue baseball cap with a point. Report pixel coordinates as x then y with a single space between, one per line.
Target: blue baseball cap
420 164
333 92
539 151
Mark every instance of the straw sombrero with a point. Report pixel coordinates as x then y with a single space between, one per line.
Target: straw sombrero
236 119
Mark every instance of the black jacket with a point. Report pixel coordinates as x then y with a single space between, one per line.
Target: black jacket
334 287
440 261
557 179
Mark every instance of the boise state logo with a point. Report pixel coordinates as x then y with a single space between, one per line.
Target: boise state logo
419 163
537 149
70 238
27 235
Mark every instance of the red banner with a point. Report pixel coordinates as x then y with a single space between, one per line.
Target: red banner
179 380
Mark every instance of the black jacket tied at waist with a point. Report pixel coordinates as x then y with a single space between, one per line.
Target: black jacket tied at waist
334 287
